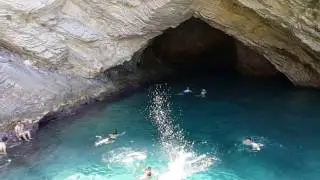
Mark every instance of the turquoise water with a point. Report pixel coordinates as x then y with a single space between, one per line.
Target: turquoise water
183 136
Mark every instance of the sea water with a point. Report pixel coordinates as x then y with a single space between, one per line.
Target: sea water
182 136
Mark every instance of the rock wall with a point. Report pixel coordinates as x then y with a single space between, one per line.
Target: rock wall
57 52
252 63
85 37
194 44
287 33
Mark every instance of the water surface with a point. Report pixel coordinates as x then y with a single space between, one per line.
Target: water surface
183 136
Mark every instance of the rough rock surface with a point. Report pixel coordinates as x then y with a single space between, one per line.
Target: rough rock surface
85 37
195 44
57 49
252 63
29 93
287 33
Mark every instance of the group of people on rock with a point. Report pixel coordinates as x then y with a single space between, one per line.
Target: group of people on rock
20 132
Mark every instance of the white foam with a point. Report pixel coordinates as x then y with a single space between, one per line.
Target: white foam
125 156
183 161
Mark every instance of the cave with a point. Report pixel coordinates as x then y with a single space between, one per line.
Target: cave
196 46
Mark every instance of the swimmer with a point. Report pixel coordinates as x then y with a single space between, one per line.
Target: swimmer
3 146
114 134
149 174
102 141
255 146
187 91
203 93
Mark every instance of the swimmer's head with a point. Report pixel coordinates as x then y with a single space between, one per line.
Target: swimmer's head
248 140
4 139
148 171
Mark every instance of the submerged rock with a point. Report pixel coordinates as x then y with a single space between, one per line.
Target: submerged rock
62 53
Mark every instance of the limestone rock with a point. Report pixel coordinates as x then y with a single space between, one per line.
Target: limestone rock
28 93
287 33
252 63
85 38
58 49
196 47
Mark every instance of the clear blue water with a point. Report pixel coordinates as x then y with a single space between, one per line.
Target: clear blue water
183 136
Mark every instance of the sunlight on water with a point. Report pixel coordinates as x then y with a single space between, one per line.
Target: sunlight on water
183 161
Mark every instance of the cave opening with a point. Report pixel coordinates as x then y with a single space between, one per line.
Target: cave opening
195 47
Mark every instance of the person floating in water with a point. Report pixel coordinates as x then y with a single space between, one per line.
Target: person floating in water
114 134
21 133
255 146
111 138
3 146
187 90
149 174
104 140
203 93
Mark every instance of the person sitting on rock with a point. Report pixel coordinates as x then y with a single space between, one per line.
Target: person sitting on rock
3 146
21 133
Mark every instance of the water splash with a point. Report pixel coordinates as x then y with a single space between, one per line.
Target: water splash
125 156
183 161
